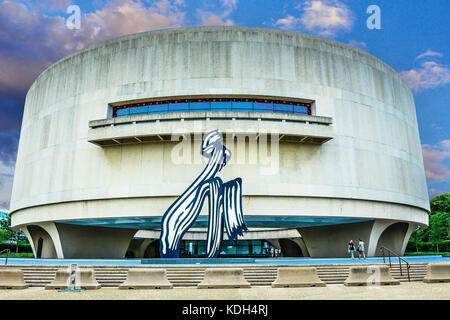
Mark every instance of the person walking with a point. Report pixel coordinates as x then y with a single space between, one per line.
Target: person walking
351 248
361 250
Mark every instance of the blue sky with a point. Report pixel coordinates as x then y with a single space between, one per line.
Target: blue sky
413 40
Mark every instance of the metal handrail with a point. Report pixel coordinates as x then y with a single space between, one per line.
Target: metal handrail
7 252
400 259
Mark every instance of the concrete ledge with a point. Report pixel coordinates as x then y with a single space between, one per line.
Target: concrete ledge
370 275
60 282
87 280
146 279
224 278
12 279
297 277
437 272
163 127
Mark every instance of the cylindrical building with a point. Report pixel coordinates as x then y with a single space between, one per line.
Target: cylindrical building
323 135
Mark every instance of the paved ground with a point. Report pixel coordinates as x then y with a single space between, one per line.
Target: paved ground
408 291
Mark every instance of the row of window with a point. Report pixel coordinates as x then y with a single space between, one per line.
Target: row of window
213 104
255 248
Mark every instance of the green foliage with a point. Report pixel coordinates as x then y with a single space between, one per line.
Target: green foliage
8 235
424 253
421 247
436 236
12 247
5 225
18 255
440 203
3 236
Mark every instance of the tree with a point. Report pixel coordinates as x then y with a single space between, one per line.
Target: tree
438 229
9 233
439 223
441 203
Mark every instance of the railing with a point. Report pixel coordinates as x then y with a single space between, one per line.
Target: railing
7 252
400 259
209 115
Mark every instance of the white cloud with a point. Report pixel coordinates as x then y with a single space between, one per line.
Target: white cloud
429 53
357 44
326 17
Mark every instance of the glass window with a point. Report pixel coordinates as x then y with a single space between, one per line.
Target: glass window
202 247
199 106
228 248
299 109
242 106
158 108
242 248
123 112
284 108
139 109
263 106
178 106
220 105
214 104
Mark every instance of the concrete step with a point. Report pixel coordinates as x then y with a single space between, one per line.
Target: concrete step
181 276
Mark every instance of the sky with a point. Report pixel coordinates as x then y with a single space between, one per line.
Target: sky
412 37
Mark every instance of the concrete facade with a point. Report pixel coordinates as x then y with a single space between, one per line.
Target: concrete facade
370 165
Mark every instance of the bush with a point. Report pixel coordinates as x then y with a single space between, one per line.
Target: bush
18 255
12 247
444 246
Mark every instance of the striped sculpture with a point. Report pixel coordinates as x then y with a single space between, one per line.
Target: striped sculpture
224 200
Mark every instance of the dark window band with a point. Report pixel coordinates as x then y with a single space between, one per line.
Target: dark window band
213 104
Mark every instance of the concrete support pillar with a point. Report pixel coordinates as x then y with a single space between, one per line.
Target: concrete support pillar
299 241
87 242
378 227
275 243
393 237
331 241
138 246
48 232
411 229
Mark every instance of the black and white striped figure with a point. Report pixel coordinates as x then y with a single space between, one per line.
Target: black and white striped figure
225 204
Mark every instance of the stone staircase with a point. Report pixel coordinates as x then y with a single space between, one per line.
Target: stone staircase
190 276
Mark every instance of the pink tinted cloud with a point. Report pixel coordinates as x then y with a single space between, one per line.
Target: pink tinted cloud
30 40
209 18
326 17
358 44
289 22
430 74
323 17
433 157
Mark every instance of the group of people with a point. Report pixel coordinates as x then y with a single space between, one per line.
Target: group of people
360 249
276 252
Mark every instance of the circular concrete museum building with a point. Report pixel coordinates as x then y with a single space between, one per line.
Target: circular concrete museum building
324 137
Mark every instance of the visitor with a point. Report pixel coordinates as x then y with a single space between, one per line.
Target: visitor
351 248
361 250
276 252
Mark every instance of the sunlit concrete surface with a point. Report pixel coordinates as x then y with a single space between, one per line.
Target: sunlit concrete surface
405 291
